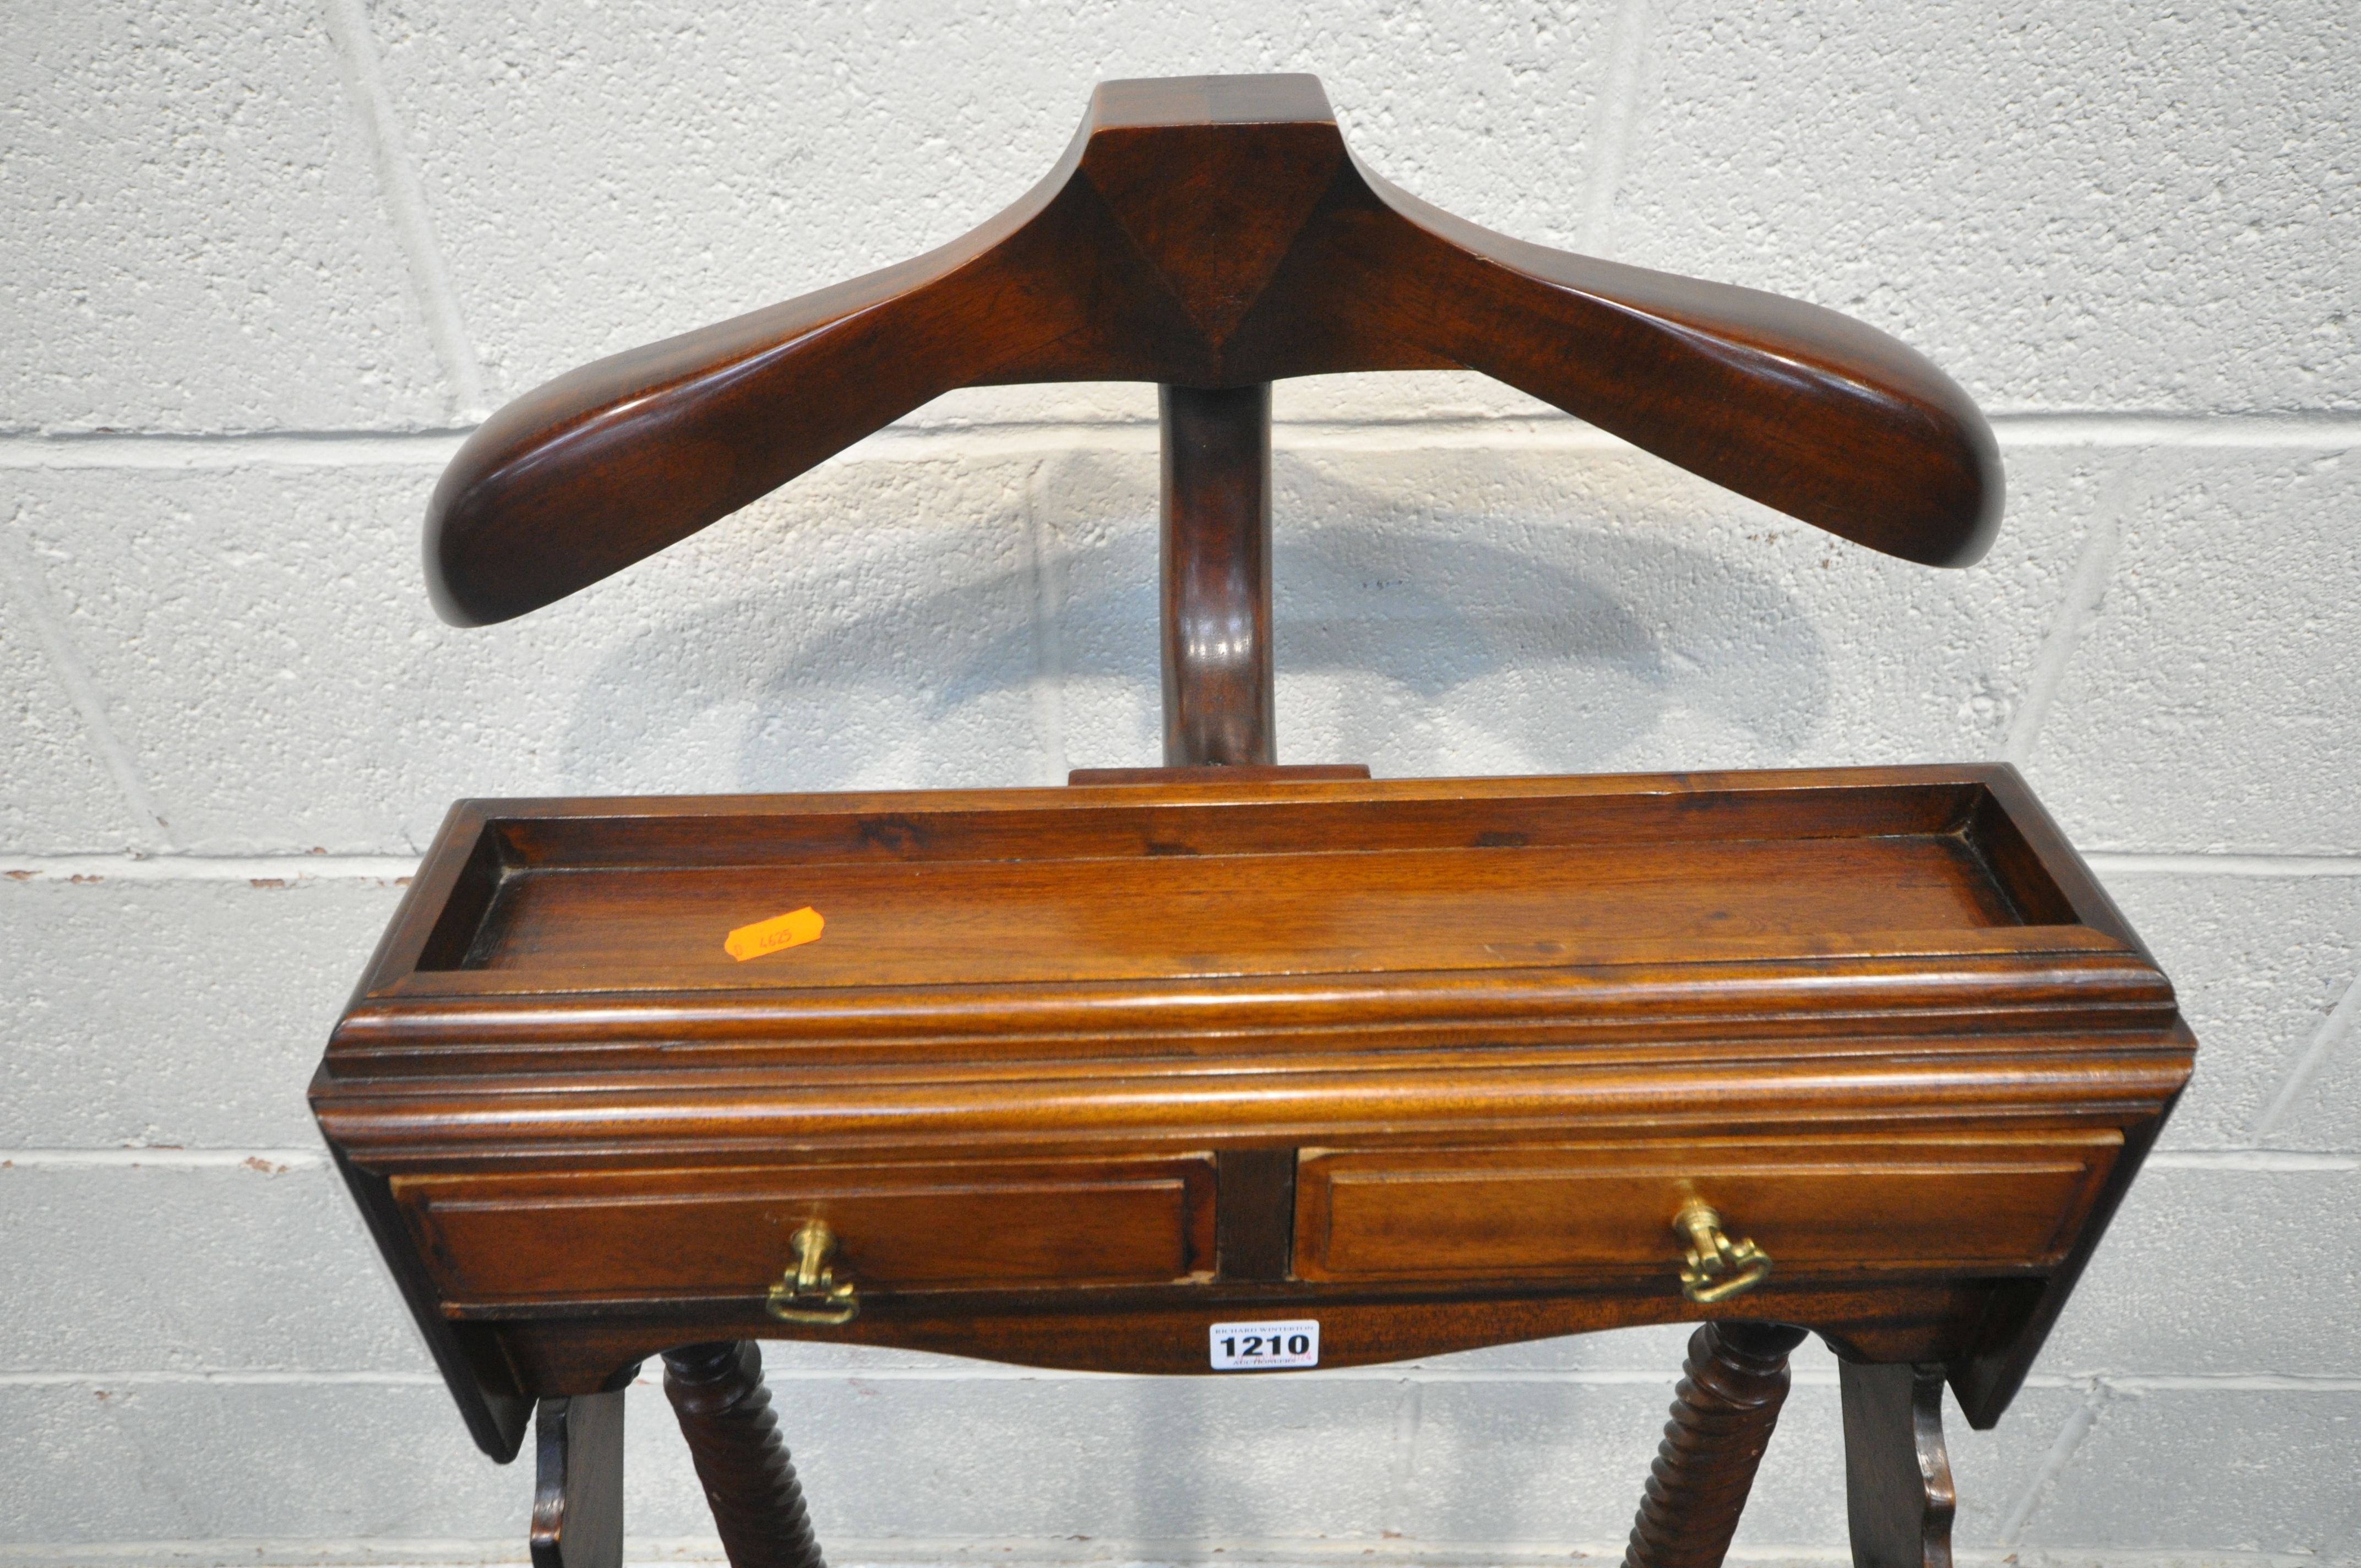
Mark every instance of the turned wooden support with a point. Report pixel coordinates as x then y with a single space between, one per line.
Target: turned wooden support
1898 1497
716 1390
1218 689
1723 1411
577 1497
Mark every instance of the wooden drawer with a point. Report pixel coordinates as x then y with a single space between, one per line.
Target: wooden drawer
727 1232
1825 1207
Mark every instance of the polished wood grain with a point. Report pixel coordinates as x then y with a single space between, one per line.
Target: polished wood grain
1220 700
1070 1075
1162 1333
474 1363
1823 1207
716 1390
1022 922
1434 1060
1724 1410
966 889
580 1237
578 1498
1898 1496
1255 772
1211 232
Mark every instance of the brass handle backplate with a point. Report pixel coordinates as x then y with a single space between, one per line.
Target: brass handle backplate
811 1293
1715 1267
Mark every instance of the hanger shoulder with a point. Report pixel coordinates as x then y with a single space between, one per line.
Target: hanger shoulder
1815 414
614 461
1210 232
1102 271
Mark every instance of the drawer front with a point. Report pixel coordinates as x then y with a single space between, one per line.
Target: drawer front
640 1234
1833 1206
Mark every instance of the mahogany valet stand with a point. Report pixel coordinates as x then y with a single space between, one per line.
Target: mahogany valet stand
1073 1076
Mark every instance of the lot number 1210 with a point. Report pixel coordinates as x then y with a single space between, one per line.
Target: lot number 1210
1259 1347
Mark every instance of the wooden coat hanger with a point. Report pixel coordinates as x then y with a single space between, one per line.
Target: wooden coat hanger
1214 235
1078 1077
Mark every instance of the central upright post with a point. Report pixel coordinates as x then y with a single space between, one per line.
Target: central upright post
1218 691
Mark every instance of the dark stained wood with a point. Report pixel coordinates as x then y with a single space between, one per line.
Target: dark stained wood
1220 705
1071 1074
1211 232
1300 773
474 1365
578 1500
717 1392
1898 1497
1723 1412
1386 813
1162 1332
1256 1213
1829 1207
972 888
2024 1314
1511 1023
581 1237
1022 922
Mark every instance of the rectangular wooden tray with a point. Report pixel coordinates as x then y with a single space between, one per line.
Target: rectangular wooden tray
1373 1047
1023 887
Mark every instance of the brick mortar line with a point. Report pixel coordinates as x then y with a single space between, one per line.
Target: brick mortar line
222 1378
433 448
2252 1161
2126 863
164 1158
266 870
298 449
1024 1552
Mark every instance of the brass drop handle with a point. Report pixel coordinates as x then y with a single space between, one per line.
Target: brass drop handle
811 1293
1717 1267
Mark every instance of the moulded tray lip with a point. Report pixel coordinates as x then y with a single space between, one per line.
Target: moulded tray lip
1215 788
1612 963
474 828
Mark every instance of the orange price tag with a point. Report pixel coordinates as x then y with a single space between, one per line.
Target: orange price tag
792 930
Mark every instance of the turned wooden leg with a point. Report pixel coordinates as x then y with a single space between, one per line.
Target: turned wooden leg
578 1495
1898 1495
725 1412
1728 1401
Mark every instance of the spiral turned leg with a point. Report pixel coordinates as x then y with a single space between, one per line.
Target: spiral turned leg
1728 1401
725 1413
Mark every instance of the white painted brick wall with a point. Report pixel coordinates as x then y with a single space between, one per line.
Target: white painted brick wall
190 236
260 265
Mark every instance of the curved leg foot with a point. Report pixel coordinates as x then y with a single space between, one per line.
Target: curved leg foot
1733 1383
1898 1495
725 1413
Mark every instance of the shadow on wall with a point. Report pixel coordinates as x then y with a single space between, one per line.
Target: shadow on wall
1418 640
